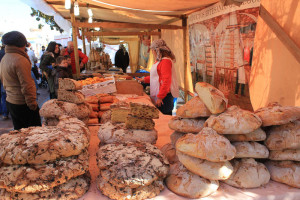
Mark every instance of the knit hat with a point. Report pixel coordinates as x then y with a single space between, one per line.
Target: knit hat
14 38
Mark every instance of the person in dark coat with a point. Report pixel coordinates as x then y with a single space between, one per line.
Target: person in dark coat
3 108
122 58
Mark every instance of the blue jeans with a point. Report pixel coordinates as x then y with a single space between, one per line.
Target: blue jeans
3 109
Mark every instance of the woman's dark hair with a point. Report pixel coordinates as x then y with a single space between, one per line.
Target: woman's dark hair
167 54
51 47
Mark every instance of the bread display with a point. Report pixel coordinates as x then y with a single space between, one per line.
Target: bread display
54 108
95 107
70 96
186 125
93 121
93 114
144 110
234 121
285 136
133 122
175 136
117 133
170 152
194 108
69 84
248 173
119 115
288 154
213 98
275 114
105 117
207 144
92 100
206 169
105 106
257 135
286 172
250 150
185 183
106 99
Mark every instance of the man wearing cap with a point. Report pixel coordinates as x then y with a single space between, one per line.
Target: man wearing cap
15 74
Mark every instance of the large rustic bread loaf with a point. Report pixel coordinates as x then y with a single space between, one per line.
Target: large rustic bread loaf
170 152
119 115
287 172
206 169
36 178
117 133
275 114
73 124
250 150
257 135
288 154
186 125
133 122
139 193
285 136
132 164
54 108
70 96
175 136
213 98
69 84
144 110
105 117
184 183
72 189
234 121
192 109
207 144
248 174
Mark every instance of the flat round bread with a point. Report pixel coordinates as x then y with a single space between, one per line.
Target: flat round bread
275 114
186 125
193 108
248 174
73 124
257 135
132 164
36 178
234 121
117 133
39 145
250 150
142 192
286 172
206 169
184 183
73 189
285 136
287 154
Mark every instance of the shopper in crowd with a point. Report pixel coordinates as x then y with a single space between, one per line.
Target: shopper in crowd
60 71
47 64
15 74
42 52
70 51
34 74
162 79
122 58
31 54
69 61
3 109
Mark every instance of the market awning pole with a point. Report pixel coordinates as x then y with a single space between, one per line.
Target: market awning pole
74 33
83 40
185 53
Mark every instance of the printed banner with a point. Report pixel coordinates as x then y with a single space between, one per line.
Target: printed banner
221 48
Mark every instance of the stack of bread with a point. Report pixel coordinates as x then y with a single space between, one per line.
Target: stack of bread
100 104
69 102
45 162
129 123
283 129
131 170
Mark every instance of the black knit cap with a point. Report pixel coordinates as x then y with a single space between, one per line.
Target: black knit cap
14 38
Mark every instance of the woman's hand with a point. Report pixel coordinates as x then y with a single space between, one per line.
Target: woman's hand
140 79
159 102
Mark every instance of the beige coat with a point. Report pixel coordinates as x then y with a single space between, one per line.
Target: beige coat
15 74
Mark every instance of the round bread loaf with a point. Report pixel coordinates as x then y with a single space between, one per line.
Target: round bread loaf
186 125
132 164
192 109
234 121
207 144
175 136
248 173
288 154
170 152
184 183
250 150
257 135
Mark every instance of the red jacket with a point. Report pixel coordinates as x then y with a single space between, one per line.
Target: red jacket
164 70
82 56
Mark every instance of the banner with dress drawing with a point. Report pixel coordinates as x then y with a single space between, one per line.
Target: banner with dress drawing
221 48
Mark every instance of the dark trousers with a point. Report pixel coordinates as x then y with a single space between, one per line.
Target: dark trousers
168 104
237 85
22 116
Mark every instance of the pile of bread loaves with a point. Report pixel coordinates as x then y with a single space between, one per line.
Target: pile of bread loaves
212 143
130 166
45 162
69 102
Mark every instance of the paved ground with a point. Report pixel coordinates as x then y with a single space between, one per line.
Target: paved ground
6 125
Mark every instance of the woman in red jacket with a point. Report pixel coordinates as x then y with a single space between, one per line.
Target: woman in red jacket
162 79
